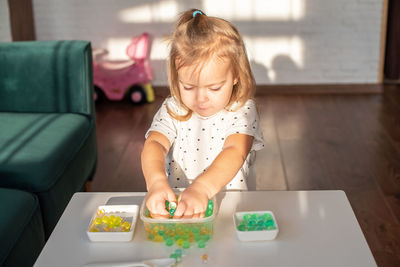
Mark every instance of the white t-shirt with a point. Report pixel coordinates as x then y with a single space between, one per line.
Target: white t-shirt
195 143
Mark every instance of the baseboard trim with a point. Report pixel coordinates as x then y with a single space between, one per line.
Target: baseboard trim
320 89
163 91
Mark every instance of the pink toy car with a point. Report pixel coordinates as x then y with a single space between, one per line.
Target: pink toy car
115 79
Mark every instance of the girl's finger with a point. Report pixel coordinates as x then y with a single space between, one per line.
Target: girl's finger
171 196
180 209
159 216
160 208
188 214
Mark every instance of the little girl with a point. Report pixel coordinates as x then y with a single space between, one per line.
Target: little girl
204 134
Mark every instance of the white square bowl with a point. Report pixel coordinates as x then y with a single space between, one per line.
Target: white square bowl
128 212
256 235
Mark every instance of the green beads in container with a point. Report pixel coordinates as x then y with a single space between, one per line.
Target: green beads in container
256 222
171 208
184 233
255 225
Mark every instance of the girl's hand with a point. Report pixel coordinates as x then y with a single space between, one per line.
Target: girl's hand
192 202
158 193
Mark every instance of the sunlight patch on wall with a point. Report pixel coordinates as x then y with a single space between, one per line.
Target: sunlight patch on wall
163 11
266 51
159 49
116 48
261 10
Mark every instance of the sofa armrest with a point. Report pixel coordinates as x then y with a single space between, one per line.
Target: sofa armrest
46 76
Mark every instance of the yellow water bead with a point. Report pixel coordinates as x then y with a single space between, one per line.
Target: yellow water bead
126 225
158 238
105 219
100 212
179 242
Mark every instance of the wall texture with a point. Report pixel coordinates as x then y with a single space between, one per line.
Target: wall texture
5 32
288 41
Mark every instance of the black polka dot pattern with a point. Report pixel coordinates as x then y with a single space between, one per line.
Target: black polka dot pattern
196 143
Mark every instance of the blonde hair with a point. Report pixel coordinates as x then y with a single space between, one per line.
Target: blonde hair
198 38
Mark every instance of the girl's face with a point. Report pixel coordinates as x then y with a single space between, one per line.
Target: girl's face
208 90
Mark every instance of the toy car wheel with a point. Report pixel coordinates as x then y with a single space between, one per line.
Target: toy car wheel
137 95
98 94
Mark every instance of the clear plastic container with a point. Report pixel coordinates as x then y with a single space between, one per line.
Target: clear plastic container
183 232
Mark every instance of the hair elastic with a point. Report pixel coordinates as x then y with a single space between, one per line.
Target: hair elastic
197 12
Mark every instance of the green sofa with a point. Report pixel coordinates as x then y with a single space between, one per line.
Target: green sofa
21 228
48 142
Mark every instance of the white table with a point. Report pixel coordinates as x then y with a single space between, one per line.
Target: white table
317 228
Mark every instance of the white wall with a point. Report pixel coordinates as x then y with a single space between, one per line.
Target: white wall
289 41
5 33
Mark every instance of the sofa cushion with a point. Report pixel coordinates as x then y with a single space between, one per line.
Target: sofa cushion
46 76
37 147
21 228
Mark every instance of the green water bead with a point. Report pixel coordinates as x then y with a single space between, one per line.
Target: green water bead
251 223
246 217
186 244
161 232
251 228
206 237
269 223
254 216
171 212
197 237
210 208
146 213
201 244
242 227
169 242
266 216
170 207
178 252
174 256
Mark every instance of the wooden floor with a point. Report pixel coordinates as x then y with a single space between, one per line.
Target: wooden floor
313 142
